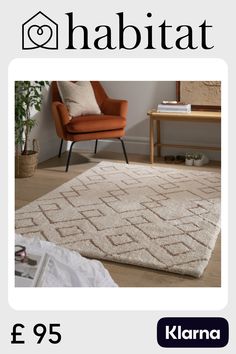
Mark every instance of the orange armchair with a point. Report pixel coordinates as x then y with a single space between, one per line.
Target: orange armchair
109 125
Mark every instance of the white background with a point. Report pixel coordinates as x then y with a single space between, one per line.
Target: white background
121 298
113 331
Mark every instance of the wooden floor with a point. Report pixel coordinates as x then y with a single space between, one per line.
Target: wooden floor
50 174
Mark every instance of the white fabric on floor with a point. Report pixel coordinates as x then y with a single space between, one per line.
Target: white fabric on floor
67 268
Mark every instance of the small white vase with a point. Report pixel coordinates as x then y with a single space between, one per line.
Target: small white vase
198 163
189 162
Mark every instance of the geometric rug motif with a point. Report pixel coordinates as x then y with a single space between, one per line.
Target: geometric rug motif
156 217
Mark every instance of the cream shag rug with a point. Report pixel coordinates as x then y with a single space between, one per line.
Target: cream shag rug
156 217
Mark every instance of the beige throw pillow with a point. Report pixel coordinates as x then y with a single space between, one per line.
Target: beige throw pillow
78 97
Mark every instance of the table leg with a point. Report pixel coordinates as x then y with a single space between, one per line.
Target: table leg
158 138
151 140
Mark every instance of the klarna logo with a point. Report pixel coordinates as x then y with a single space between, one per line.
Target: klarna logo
41 31
192 332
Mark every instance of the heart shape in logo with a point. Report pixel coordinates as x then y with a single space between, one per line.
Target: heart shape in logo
40 35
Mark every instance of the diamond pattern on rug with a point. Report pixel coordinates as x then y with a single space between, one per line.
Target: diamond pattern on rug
120 239
176 248
156 217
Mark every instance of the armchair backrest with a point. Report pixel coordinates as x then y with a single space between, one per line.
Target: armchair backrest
59 110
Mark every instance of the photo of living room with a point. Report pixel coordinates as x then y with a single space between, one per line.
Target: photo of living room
118 183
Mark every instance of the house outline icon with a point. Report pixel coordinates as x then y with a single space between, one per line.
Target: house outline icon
39 21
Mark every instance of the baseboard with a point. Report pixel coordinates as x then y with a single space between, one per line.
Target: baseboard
133 145
139 145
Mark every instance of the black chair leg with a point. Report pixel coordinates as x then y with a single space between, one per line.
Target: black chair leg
61 144
96 145
124 151
68 159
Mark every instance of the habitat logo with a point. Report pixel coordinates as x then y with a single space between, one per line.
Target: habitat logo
40 31
153 33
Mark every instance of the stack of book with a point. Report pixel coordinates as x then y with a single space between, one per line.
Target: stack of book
174 106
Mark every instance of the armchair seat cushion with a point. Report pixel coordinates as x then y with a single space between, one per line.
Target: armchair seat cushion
94 123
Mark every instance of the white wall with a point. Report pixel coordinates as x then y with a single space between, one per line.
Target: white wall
44 131
143 96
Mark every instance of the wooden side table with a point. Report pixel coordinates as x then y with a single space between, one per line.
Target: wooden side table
194 116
